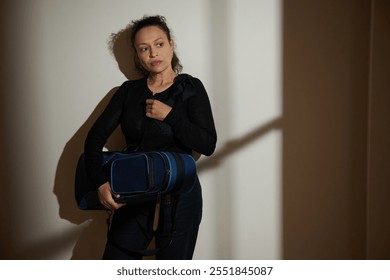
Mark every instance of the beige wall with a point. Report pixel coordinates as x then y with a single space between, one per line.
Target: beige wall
57 74
335 133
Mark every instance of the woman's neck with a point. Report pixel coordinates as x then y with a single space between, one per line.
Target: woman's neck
161 81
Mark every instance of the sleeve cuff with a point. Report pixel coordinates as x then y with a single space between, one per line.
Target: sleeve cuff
173 118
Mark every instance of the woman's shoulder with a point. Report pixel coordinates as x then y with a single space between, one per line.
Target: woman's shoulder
129 88
188 85
185 76
189 80
133 82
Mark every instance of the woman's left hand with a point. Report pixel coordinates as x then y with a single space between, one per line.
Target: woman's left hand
156 109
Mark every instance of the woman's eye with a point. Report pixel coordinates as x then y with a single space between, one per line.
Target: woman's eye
160 44
144 49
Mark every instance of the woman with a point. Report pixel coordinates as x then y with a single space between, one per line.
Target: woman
163 111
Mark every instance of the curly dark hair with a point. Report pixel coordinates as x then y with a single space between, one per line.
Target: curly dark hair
159 21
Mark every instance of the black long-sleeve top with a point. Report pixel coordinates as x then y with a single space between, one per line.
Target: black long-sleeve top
188 127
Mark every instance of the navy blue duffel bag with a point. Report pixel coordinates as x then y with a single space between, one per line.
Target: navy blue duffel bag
137 177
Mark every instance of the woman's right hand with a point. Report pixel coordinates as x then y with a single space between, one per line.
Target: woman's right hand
106 197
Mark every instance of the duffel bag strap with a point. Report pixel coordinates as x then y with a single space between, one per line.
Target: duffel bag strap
156 214
108 220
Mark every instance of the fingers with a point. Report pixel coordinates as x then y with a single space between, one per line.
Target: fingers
151 104
156 109
149 107
150 101
106 197
112 204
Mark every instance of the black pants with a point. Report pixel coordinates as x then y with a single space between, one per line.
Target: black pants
132 228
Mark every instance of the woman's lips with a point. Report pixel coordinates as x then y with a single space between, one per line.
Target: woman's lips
155 63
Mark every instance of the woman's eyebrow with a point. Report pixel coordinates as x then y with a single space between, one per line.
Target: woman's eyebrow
159 38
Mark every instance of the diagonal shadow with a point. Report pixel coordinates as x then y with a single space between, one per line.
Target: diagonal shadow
233 146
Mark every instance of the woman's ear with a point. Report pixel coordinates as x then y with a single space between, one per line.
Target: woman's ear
172 43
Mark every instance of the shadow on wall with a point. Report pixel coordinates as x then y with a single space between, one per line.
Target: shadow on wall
91 240
92 236
326 80
5 202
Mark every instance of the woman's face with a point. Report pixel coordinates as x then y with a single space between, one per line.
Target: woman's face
154 50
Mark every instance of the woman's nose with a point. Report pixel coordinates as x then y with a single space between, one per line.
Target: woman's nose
153 53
